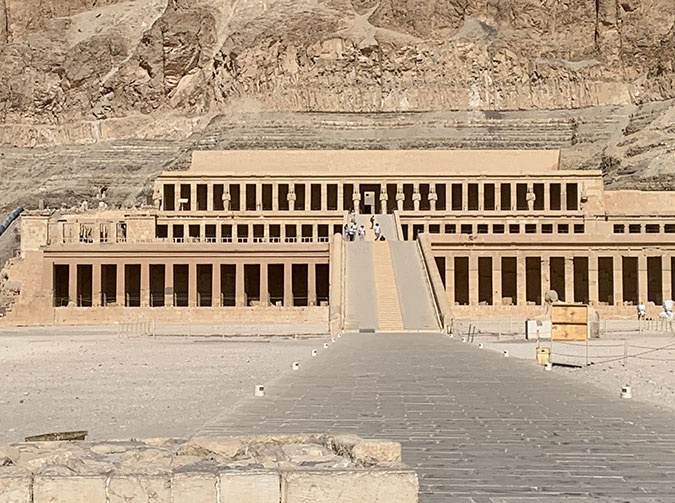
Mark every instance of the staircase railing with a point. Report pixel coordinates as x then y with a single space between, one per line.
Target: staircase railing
336 305
435 283
399 228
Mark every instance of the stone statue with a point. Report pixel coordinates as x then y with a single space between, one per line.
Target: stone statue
227 199
531 198
156 198
416 197
356 198
433 198
291 197
384 197
400 198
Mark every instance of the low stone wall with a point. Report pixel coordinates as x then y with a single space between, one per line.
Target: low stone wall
34 315
255 469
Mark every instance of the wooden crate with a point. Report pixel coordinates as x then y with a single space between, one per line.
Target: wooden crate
569 322
569 314
569 332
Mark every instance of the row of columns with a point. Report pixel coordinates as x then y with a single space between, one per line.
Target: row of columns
227 196
317 231
545 270
169 286
382 205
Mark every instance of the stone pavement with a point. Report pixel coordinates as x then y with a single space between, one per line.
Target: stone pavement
478 427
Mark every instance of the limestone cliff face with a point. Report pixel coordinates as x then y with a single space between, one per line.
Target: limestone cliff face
69 60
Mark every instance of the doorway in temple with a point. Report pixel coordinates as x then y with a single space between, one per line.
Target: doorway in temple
370 198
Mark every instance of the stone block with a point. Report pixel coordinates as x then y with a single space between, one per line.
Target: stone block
146 489
250 487
14 485
193 487
8 452
73 489
223 447
386 486
377 451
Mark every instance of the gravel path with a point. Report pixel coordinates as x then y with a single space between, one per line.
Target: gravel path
121 387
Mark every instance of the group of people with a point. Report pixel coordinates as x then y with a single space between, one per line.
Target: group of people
352 231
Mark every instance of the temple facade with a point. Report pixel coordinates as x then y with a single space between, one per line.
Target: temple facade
257 236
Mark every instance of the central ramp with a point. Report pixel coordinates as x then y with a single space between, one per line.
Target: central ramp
386 291
387 286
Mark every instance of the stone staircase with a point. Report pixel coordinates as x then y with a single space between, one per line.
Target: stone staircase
386 292
386 285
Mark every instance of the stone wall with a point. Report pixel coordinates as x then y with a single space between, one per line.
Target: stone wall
260 469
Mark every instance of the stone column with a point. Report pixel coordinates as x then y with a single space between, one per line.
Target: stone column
288 284
209 197
264 284
240 294
275 197
563 196
593 279
72 284
311 284
498 197
168 285
465 196
474 280
545 276
202 232
481 196
356 198
617 270
192 284
496 280
384 197
145 285
176 196
215 285
569 279
119 294
258 196
193 196
96 284
324 197
547 196
450 278
666 278
340 196
642 279
521 281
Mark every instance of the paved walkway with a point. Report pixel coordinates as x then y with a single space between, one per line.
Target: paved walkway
478 427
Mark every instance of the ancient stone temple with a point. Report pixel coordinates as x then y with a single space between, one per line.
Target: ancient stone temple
258 236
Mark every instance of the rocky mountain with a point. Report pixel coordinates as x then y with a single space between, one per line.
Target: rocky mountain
65 61
109 92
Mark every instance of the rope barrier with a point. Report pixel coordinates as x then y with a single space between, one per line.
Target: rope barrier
637 355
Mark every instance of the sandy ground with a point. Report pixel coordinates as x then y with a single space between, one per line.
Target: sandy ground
622 355
131 386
